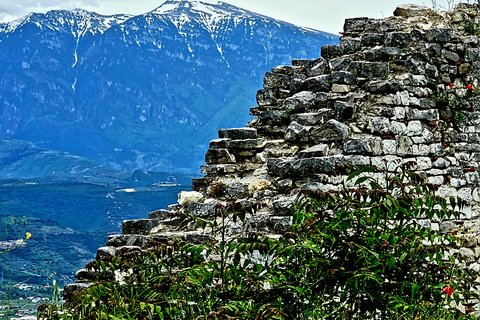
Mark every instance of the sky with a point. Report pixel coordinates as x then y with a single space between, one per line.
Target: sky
324 15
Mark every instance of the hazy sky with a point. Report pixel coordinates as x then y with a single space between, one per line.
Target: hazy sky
325 15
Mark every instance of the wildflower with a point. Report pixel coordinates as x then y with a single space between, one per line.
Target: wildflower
469 87
448 291
28 235
451 85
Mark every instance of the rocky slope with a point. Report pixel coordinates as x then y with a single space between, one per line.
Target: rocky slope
139 92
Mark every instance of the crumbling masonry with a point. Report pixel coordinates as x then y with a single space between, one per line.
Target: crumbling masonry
403 88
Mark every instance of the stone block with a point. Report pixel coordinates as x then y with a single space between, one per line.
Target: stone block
238 133
283 207
311 119
219 156
372 39
380 125
341 88
398 128
414 128
404 146
410 10
120 240
332 51
355 24
297 132
465 194
344 110
442 35
105 253
140 226
389 147
340 64
397 39
219 143
185 198
267 97
317 83
384 86
357 146
329 132
258 143
202 210
304 100
273 80
319 150
288 70
343 77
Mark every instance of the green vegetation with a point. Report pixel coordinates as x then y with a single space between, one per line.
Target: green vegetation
356 254
455 104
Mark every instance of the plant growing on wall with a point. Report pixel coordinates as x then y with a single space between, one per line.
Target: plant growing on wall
360 253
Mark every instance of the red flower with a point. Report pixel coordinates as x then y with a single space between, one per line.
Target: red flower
448 291
469 87
451 85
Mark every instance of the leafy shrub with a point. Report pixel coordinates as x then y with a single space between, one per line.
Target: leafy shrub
356 254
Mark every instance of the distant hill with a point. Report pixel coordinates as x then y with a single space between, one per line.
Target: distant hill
138 92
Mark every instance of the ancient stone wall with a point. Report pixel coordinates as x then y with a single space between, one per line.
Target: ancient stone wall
399 89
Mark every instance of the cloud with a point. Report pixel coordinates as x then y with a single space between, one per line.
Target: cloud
14 9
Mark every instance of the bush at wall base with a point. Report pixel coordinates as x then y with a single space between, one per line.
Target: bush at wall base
355 254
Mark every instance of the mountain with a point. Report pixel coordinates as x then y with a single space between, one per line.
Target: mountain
139 92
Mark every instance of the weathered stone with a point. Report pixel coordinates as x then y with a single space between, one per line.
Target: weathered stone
330 131
397 39
272 80
380 125
372 39
267 97
343 77
317 84
384 86
288 70
311 119
389 146
185 198
414 128
237 190
341 88
404 146
355 24
283 206
357 146
238 133
322 67
201 210
344 110
332 51
219 143
273 116
319 150
410 10
120 240
248 143
105 253
304 100
296 131
439 35
220 156
340 64
140 226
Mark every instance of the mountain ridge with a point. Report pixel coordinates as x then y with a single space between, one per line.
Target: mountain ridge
139 92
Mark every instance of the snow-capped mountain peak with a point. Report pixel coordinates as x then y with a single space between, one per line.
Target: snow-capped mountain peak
77 21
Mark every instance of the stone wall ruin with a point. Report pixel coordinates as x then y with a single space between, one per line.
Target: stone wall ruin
403 88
